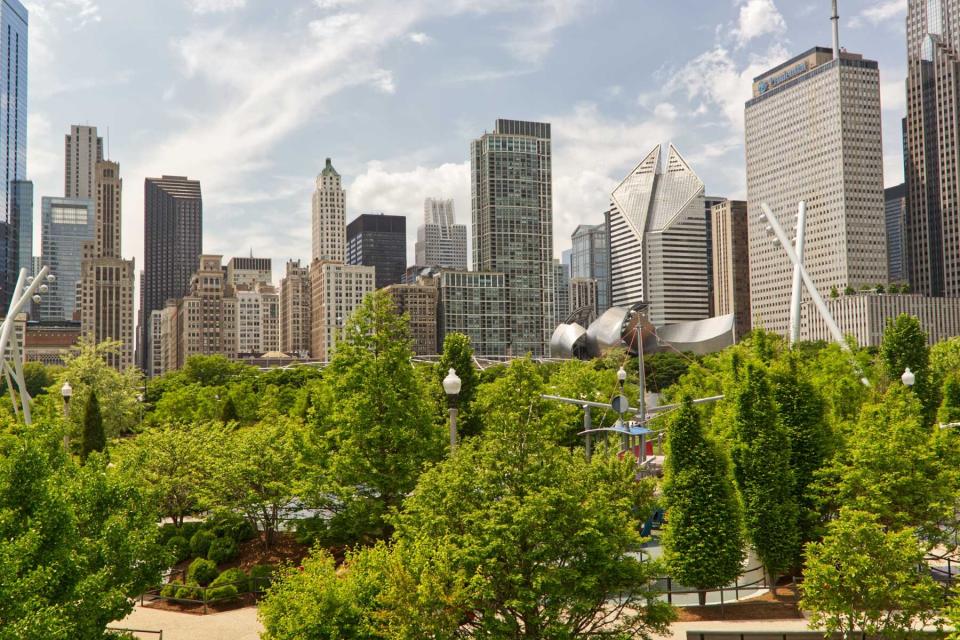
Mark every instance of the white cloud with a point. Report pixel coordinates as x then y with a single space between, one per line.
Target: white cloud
880 12
418 37
758 18
893 90
215 6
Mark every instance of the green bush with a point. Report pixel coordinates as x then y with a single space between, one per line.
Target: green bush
168 531
169 590
225 524
189 592
200 543
225 592
222 550
235 577
261 575
202 571
179 548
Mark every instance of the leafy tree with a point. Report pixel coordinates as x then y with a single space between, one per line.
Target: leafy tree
801 408
664 369
253 471
944 361
949 412
703 540
573 379
168 465
761 458
191 403
94 439
228 413
905 345
372 427
866 578
891 468
38 377
849 291
834 294
836 374
880 289
79 542
458 355
216 370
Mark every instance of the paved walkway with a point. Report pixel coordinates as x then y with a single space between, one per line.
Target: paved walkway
679 629
239 624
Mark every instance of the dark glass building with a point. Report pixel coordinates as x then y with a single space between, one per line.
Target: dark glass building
172 244
895 208
13 142
378 240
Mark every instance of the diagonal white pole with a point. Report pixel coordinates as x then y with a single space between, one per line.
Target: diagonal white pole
20 297
797 278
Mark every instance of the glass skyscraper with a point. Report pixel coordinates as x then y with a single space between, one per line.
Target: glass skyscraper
13 134
67 224
590 259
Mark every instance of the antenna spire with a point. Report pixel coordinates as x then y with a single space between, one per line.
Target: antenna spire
835 18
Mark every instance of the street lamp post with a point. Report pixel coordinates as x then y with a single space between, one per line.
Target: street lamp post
909 378
452 385
67 392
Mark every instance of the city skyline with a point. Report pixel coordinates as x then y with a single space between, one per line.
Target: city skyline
692 95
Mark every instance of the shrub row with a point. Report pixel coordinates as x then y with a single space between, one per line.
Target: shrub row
217 539
229 584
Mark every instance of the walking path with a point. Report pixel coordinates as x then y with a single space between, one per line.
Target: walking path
238 624
678 630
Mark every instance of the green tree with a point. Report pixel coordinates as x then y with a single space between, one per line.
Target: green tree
664 369
253 471
761 458
834 294
949 412
703 538
905 346
864 577
78 542
802 410
372 426
94 438
891 468
458 355
228 412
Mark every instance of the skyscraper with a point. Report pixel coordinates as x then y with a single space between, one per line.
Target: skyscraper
590 260
658 240
83 149
21 220
813 133
13 142
895 207
249 271
329 216
172 242
67 224
731 264
512 207
440 241
106 279
561 291
295 310
380 241
931 147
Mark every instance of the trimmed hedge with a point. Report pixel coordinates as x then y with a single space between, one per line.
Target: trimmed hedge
235 577
179 547
261 576
200 543
223 550
224 524
189 592
202 571
225 592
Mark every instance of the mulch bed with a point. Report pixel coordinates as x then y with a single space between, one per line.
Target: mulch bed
777 604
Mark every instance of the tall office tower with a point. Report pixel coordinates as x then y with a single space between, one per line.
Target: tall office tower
658 241
249 271
895 208
66 225
583 294
731 264
590 259
440 241
21 227
155 357
337 290
172 242
203 322
13 143
258 319
295 310
106 279
376 240
709 202
813 133
83 149
477 305
419 302
512 194
931 147
561 291
329 217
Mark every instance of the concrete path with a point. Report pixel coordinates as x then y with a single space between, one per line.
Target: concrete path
239 624
678 630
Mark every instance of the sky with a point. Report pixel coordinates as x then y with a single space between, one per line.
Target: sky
251 96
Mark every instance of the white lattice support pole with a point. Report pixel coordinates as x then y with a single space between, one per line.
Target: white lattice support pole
13 396
797 278
17 355
811 288
20 298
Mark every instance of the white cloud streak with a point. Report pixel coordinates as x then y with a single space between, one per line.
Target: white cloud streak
758 18
215 6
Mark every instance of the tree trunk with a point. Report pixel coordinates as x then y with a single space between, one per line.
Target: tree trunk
702 594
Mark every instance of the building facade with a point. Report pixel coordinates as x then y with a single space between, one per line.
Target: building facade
172 243
258 319
583 294
512 211
813 133
895 211
440 241
83 149
19 245
475 304
380 241
561 292
295 310
155 356
731 264
249 271
337 290
13 121
658 241
864 316
67 224
48 342
932 147
590 259
419 302
329 220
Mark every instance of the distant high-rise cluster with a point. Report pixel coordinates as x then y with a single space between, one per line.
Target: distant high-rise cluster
440 241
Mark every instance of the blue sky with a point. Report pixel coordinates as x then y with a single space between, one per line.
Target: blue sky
250 96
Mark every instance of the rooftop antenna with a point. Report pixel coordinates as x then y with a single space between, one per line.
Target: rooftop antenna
836 31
